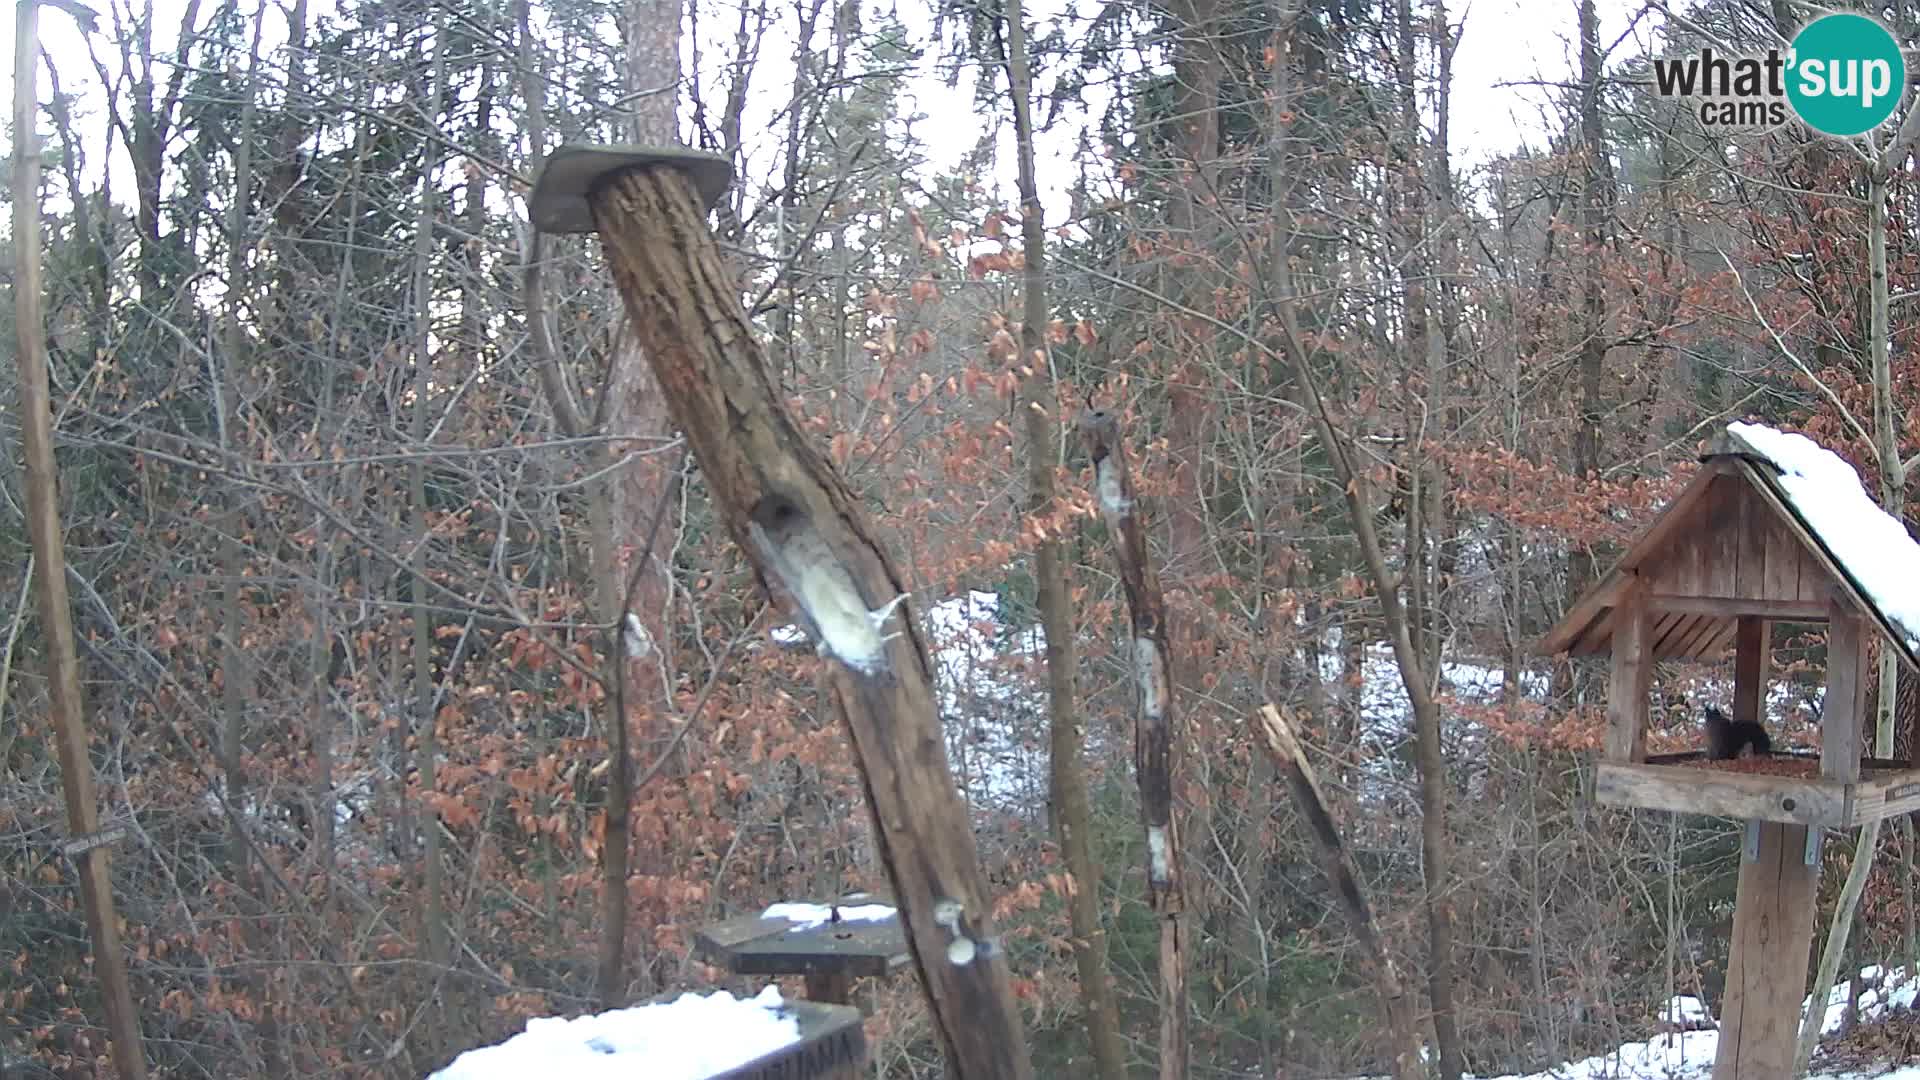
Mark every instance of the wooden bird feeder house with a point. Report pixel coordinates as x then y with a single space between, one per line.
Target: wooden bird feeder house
1754 540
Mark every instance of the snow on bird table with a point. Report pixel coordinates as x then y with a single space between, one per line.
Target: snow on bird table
1869 544
691 1038
808 916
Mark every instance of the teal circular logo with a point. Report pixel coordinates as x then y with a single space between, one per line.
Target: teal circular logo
1846 74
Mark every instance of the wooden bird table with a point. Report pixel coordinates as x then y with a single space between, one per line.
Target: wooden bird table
830 955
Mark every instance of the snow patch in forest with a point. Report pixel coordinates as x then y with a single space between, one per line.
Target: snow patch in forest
1688 1054
991 707
1684 1010
990 710
808 916
1385 709
693 1037
1869 543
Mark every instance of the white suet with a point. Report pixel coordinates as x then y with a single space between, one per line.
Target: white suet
830 602
639 642
1113 497
1159 861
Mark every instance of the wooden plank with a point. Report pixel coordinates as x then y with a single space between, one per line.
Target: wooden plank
1843 715
1885 796
1705 629
1750 570
1724 606
1783 562
1751 653
1665 635
1720 540
718 940
1815 580
832 1046
1691 789
1632 673
856 947
1767 971
1595 639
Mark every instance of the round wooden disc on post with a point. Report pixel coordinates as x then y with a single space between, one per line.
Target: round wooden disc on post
561 201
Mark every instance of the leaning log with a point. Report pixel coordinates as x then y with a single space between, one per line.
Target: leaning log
1396 1010
808 538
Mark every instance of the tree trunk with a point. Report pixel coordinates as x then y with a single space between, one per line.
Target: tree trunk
426 744
1595 192
637 410
556 385
1046 521
1155 745
42 511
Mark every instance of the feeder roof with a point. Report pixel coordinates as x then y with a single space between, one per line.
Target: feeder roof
1772 527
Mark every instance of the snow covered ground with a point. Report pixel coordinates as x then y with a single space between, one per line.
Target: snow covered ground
698 1035
1688 1055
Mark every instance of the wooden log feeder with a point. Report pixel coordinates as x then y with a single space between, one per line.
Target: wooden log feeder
1731 555
806 534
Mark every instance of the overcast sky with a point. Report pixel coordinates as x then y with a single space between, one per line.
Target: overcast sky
1508 46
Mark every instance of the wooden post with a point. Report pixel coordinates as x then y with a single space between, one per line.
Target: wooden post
1767 972
1842 717
1154 763
1772 916
800 526
1631 676
835 987
1751 655
49 555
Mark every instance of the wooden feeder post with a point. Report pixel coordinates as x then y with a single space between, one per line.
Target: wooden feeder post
1727 558
795 518
1773 906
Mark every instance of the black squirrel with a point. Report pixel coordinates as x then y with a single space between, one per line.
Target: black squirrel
1727 738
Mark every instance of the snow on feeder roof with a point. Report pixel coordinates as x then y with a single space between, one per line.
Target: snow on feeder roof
1871 546
1773 525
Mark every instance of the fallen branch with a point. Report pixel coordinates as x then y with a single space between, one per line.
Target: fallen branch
1291 759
